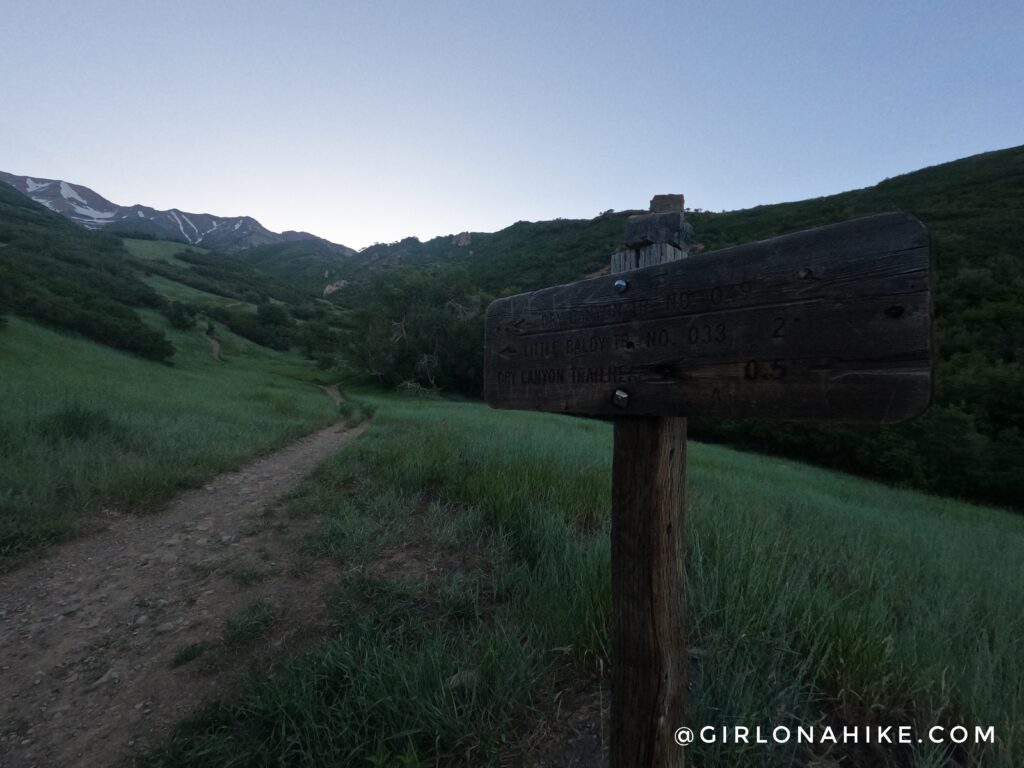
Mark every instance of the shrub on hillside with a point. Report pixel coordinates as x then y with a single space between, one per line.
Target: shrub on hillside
273 315
181 316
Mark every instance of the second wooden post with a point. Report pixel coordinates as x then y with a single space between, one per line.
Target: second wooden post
649 652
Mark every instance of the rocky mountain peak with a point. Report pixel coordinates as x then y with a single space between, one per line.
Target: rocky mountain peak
93 211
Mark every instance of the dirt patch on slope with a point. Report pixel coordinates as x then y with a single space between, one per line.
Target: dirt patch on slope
89 634
206 329
333 391
214 347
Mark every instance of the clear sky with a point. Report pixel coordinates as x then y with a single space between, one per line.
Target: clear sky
372 121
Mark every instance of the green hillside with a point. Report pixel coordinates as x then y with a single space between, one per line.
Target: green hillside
970 442
95 285
522 257
90 420
311 264
68 278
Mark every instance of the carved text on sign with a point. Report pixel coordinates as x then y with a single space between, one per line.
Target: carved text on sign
830 323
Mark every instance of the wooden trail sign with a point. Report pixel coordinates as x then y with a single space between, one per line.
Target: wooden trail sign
832 323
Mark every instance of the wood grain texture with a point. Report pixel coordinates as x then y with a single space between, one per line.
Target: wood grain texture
648 256
833 323
649 662
655 228
649 656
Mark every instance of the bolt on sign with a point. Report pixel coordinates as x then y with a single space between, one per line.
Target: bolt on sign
832 324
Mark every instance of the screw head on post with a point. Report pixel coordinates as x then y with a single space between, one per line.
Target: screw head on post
620 285
620 398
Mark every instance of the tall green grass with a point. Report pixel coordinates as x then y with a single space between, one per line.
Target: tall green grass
815 598
84 427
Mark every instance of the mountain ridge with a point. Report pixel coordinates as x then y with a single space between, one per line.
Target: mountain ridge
91 210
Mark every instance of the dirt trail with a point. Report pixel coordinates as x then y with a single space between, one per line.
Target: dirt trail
88 633
211 340
333 391
214 347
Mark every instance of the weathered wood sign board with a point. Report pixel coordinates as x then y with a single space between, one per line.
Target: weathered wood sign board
832 323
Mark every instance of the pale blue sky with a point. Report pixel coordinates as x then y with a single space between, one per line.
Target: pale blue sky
371 121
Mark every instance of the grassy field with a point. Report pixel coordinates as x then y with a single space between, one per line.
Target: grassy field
476 599
163 250
159 250
85 427
176 291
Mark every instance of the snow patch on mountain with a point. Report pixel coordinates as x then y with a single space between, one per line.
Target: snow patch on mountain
211 229
195 229
92 213
88 209
69 194
174 215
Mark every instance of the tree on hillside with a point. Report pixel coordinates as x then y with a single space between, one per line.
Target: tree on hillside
420 326
180 316
273 315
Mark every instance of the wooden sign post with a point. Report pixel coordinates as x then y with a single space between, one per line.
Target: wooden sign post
649 669
829 324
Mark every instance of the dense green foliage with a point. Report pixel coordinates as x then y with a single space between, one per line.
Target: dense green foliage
524 256
311 264
971 441
418 325
254 327
180 316
475 592
58 274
